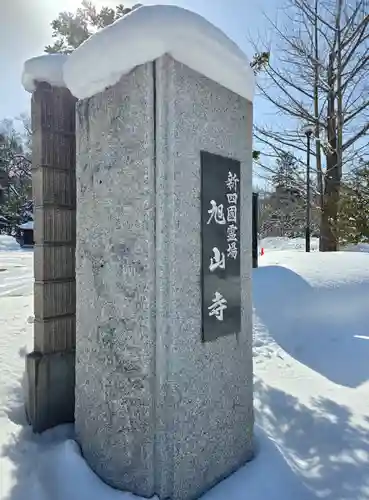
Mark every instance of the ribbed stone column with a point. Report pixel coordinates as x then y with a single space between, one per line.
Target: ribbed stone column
50 367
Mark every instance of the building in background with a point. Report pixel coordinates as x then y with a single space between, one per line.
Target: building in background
25 237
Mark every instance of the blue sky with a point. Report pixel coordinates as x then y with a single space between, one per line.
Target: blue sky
25 30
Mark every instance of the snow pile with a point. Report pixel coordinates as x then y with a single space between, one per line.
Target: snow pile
65 462
281 243
360 247
148 33
311 370
64 475
320 296
46 68
8 243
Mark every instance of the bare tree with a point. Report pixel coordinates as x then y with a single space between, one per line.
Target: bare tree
15 172
317 75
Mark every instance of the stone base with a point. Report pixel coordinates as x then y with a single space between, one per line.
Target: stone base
50 389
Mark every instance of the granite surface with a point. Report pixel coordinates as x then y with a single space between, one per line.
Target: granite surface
157 410
115 272
204 391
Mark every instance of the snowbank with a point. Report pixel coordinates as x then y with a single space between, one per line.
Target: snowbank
281 243
46 68
64 475
360 247
322 297
146 34
311 349
8 243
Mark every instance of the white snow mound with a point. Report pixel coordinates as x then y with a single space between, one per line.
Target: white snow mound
46 68
314 306
64 475
149 32
8 243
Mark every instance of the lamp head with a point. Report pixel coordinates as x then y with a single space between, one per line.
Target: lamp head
308 130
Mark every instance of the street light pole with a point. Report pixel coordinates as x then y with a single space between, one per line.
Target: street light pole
307 234
308 132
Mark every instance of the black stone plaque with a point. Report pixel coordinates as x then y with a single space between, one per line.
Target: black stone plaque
220 232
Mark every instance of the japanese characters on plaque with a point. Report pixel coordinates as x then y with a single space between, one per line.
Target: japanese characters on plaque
221 222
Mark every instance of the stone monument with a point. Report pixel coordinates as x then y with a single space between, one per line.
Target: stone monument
164 396
164 389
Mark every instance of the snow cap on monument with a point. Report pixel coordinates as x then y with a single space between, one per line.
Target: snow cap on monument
146 34
46 68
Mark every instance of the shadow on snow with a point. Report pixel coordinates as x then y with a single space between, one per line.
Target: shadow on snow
324 328
321 442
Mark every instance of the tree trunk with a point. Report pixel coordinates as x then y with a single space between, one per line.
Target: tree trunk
328 229
332 179
318 151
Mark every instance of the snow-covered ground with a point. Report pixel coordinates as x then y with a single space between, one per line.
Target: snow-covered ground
8 243
16 309
311 344
281 244
311 351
